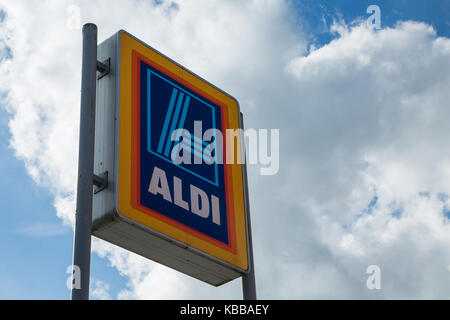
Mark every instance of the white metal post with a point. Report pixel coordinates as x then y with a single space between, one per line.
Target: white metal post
248 280
82 239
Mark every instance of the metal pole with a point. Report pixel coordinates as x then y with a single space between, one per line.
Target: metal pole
82 240
248 280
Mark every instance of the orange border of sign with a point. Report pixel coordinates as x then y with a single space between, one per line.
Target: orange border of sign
131 51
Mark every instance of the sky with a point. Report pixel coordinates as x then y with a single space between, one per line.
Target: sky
364 171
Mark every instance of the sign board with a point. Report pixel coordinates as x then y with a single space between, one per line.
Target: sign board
169 196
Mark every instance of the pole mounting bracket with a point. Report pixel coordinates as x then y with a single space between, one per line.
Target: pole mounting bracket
104 68
100 182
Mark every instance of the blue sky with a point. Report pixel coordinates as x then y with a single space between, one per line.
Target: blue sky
313 14
32 265
35 249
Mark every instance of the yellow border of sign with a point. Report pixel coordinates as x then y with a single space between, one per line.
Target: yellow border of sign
127 44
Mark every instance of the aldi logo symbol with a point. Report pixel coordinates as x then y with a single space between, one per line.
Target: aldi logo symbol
180 108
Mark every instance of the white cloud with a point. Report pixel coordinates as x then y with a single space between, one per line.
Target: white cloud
371 125
40 230
100 290
361 119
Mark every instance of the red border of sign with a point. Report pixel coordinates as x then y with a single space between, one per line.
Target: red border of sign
135 150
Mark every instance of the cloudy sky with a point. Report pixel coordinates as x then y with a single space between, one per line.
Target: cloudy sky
363 115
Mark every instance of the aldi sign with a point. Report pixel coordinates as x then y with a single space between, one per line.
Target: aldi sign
170 197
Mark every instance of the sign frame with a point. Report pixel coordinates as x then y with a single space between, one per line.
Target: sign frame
112 225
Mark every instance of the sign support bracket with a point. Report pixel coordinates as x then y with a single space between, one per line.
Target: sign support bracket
104 68
100 182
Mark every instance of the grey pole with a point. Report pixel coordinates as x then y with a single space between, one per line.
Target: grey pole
248 280
82 240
